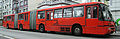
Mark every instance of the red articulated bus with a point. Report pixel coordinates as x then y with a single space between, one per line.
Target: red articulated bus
8 21
84 18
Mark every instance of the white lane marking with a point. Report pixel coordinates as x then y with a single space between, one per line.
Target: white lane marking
7 36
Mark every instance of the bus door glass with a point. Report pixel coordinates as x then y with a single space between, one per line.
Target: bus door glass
49 19
49 15
26 22
92 16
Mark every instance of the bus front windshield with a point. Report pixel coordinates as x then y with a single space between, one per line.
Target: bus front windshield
106 13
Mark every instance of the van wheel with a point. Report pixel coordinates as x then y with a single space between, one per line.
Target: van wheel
20 27
77 30
7 26
41 28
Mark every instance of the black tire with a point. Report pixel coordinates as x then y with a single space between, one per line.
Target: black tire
7 26
41 28
77 30
20 27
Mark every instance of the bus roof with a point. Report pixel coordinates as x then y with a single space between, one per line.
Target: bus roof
24 12
9 15
90 3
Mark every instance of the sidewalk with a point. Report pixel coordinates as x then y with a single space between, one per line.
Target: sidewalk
118 28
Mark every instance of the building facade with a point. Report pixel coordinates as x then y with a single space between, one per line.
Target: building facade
115 9
19 6
33 4
54 3
1 14
1 10
7 9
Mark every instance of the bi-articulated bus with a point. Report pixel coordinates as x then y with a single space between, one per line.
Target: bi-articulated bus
84 18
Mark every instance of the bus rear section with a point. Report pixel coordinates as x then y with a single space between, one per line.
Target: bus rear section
8 21
23 20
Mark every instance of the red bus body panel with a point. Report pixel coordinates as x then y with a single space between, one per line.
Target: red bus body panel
24 23
9 22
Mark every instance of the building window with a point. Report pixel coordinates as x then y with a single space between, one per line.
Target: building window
26 2
20 11
41 14
67 12
24 10
58 13
78 12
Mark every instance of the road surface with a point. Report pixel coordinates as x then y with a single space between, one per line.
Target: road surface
17 34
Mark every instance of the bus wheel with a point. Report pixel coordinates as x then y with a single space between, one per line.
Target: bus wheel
77 30
20 27
7 26
42 28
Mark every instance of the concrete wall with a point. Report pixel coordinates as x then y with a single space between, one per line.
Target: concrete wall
33 4
115 8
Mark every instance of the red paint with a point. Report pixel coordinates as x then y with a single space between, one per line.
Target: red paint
89 26
9 22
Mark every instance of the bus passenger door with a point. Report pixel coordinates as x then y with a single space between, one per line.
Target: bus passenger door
26 21
92 20
12 21
49 21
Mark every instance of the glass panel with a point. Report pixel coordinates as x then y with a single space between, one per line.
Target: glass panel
78 12
48 16
21 16
51 15
41 14
67 12
58 13
8 18
106 13
95 12
88 12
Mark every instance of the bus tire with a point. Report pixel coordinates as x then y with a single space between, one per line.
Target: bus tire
20 27
77 30
7 26
41 28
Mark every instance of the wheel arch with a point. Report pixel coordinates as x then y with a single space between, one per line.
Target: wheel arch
77 24
41 24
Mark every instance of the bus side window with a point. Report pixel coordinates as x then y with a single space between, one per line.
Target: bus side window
78 11
58 13
41 14
21 17
8 18
88 12
67 12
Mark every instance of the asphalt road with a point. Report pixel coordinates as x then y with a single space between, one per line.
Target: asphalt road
17 34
